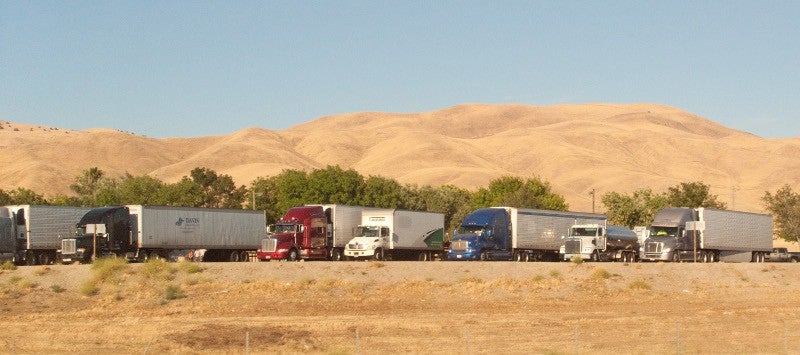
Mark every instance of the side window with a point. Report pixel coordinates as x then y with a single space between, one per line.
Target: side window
384 232
599 231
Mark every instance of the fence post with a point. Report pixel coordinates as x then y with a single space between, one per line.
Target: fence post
247 343
468 339
677 338
577 333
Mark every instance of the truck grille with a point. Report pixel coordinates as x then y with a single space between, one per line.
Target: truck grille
68 246
653 247
269 245
572 246
459 245
355 246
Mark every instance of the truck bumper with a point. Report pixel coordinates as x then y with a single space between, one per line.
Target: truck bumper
356 253
271 256
654 257
568 257
462 256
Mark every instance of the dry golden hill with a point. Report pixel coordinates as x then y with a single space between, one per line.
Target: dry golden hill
576 147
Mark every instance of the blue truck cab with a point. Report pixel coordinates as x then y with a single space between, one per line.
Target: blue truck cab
484 234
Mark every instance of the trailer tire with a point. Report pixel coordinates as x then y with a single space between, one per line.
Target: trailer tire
423 256
794 260
45 259
244 256
337 255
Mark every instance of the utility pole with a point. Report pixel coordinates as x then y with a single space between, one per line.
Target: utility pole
593 193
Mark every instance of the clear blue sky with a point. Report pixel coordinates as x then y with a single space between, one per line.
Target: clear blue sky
196 68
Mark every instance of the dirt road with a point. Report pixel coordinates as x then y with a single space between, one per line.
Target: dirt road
402 307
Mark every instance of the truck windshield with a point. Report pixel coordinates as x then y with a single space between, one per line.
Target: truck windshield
368 231
663 231
584 232
285 228
470 229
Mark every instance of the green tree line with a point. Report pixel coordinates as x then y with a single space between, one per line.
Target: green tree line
204 187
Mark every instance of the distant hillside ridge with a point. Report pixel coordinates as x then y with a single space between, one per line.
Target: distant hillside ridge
577 148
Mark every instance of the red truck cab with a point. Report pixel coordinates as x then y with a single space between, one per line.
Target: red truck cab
300 234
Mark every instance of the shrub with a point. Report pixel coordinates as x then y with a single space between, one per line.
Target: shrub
190 267
42 270
8 266
174 292
57 289
89 288
576 259
158 269
600 274
555 274
639 284
108 268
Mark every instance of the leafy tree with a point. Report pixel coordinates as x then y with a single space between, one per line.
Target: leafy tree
87 184
692 194
334 185
219 191
381 192
514 192
5 198
184 193
637 209
784 205
140 190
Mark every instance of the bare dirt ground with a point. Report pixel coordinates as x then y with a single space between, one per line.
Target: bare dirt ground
402 307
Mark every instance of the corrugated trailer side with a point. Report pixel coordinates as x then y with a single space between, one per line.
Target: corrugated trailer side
412 228
734 230
542 229
196 228
46 225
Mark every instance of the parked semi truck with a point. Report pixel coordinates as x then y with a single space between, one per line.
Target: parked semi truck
397 235
708 235
508 233
312 232
139 232
31 234
600 242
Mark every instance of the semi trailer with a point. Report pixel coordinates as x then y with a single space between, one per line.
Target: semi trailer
139 232
708 235
31 234
397 235
508 233
600 242
311 232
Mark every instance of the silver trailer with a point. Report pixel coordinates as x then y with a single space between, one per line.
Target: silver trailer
537 234
139 232
708 235
599 242
31 234
397 234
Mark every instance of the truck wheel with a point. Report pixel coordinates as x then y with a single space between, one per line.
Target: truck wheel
337 255
484 256
244 256
794 260
422 256
676 256
293 255
378 254
45 259
595 256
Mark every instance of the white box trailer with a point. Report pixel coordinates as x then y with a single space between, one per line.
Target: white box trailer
342 223
536 234
38 231
397 234
734 235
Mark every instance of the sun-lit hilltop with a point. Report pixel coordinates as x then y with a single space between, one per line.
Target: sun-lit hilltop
577 148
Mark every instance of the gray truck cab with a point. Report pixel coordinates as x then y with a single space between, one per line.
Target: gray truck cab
668 235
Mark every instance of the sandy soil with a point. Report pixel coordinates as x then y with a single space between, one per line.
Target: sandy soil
402 307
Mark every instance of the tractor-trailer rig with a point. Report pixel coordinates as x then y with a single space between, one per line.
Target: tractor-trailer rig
508 233
139 232
311 232
390 234
708 235
31 234
600 242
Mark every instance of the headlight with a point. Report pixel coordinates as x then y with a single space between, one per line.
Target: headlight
666 250
80 250
282 250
